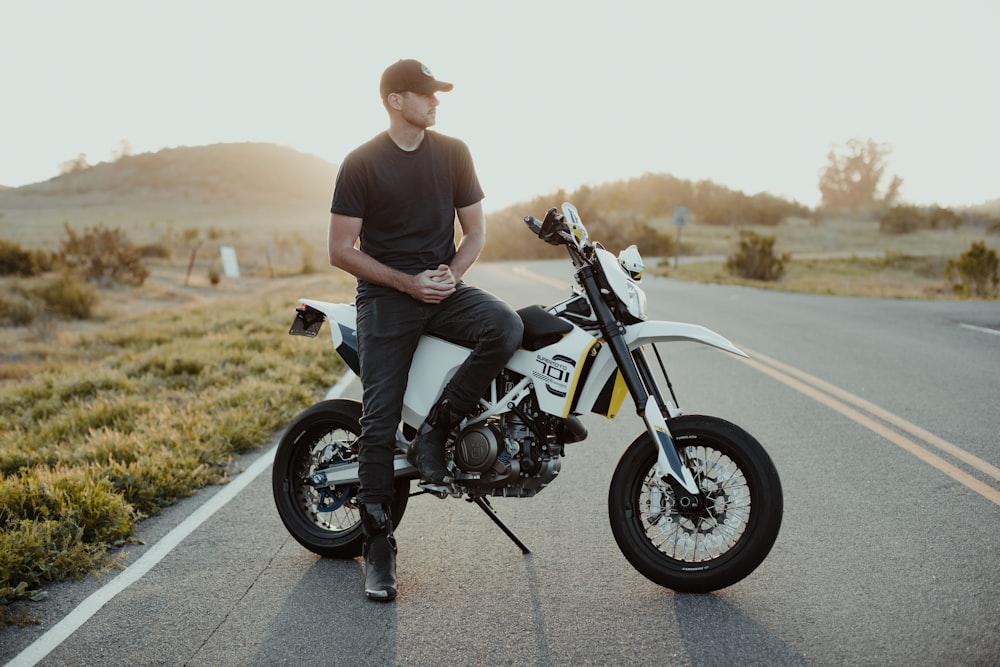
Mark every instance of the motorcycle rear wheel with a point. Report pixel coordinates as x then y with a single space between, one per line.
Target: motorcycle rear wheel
728 538
325 522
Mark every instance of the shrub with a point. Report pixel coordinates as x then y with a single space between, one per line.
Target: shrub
975 273
943 218
16 261
755 258
68 297
905 219
103 255
157 250
18 309
902 220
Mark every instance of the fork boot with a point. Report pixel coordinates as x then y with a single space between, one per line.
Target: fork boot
426 452
379 552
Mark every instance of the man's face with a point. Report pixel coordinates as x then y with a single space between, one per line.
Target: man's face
419 109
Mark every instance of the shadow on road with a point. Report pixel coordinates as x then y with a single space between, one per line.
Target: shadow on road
342 627
699 618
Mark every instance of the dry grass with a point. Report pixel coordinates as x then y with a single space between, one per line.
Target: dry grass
845 236
841 256
105 421
889 276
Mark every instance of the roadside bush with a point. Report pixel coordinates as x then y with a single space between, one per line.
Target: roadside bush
943 218
755 258
68 297
901 220
18 309
103 255
157 250
17 261
905 219
975 273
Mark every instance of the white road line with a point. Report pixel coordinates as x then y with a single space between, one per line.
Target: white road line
56 635
973 327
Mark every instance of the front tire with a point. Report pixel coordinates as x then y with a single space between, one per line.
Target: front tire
697 552
326 522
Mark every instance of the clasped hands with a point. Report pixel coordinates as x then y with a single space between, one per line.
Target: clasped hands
434 285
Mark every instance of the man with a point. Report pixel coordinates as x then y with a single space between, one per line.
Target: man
399 194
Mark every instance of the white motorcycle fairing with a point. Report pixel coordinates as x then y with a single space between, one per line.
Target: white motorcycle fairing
555 370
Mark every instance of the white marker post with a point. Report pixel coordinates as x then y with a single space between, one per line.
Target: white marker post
230 266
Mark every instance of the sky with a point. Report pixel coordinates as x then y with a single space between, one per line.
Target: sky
548 93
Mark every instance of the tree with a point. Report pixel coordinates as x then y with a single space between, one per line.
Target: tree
78 164
124 150
851 179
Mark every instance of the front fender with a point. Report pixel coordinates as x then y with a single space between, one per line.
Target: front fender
655 331
604 389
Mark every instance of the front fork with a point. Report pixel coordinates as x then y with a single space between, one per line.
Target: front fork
668 461
641 385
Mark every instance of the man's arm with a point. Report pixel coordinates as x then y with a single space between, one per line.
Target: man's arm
473 224
343 234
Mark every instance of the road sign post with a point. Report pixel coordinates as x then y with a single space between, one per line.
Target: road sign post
680 222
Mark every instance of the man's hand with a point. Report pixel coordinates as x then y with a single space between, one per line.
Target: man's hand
433 285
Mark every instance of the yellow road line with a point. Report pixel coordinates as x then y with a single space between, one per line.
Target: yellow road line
771 367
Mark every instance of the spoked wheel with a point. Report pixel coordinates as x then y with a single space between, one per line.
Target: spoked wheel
325 521
726 535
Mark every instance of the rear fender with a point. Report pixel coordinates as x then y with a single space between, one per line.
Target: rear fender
343 319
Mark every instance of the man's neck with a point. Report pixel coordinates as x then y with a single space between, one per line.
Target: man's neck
407 138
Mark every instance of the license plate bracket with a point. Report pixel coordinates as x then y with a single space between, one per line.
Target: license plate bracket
308 321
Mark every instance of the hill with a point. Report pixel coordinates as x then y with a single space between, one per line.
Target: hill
261 196
251 187
215 172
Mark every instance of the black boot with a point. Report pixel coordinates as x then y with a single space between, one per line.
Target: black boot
426 452
379 552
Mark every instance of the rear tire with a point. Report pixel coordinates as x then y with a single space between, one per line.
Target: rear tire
728 538
323 521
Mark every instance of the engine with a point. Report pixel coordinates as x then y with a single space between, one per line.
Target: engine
504 457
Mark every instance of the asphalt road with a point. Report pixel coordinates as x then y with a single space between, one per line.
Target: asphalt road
882 418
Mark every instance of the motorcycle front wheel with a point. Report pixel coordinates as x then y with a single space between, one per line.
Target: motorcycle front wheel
722 542
324 521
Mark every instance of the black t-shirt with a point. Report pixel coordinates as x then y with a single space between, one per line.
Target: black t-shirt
407 199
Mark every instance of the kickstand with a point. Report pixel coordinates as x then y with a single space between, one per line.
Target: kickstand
486 507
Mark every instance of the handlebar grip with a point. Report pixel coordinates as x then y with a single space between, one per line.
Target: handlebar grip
533 224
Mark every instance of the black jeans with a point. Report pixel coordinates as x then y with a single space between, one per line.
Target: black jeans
390 325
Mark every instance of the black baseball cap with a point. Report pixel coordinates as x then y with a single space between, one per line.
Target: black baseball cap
410 75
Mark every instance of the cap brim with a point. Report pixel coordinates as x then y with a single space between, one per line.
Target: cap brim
433 86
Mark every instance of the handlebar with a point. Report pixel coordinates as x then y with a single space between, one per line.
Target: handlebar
553 229
533 224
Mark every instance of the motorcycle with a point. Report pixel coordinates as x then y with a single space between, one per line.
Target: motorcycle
695 501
